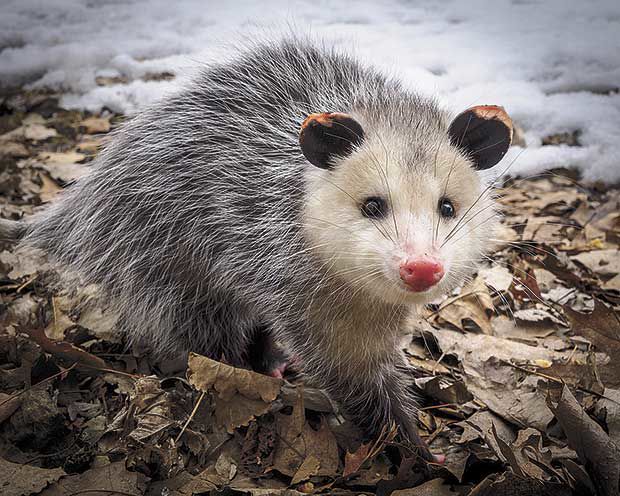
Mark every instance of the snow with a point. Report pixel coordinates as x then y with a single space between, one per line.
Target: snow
553 64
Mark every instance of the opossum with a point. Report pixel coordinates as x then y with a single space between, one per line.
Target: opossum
291 191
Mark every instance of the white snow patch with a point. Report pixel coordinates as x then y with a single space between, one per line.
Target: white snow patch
554 64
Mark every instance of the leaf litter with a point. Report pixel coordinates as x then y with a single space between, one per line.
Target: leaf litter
519 370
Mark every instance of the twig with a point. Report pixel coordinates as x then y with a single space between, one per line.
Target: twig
191 416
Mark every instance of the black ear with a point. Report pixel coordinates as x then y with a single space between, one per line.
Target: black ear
327 135
484 133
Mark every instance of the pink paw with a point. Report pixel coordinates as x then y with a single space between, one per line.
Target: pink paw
279 370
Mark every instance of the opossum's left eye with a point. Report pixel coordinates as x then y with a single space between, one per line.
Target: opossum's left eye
374 208
446 208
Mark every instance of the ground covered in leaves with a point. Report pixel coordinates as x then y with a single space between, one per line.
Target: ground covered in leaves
520 369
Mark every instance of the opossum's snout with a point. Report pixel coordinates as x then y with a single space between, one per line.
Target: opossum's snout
421 274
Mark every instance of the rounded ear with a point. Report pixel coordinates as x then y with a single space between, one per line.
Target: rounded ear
327 135
484 133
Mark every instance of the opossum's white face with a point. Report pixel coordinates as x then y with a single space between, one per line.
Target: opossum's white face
406 228
397 230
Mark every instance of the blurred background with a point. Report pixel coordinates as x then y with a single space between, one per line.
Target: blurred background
555 64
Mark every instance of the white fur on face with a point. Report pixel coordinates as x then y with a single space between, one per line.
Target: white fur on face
366 254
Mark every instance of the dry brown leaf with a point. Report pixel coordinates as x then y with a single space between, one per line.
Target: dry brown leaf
544 230
435 487
497 277
480 426
529 443
49 188
473 350
518 401
242 394
153 409
602 328
89 146
510 483
474 304
238 411
21 480
24 263
64 167
13 149
354 461
206 375
38 132
604 263
95 125
495 383
8 404
100 481
595 449
608 408
612 284
538 315
444 389
60 157
303 452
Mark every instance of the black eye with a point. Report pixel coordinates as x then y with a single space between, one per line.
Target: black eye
374 207
446 208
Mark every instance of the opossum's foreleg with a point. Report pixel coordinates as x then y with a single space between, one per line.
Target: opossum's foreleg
374 395
265 355
379 398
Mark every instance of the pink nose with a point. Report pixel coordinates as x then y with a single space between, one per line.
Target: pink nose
420 274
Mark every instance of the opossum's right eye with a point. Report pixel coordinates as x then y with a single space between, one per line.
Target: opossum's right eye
374 208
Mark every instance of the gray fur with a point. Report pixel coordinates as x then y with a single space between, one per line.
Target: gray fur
191 218
11 231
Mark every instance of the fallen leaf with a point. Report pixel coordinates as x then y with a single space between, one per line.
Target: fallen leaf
602 328
303 452
38 132
497 277
8 404
21 480
206 374
64 167
49 188
23 263
480 426
13 149
510 483
100 481
445 390
258 446
474 304
435 487
242 394
609 409
604 263
538 315
152 412
354 461
503 391
596 450
95 125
